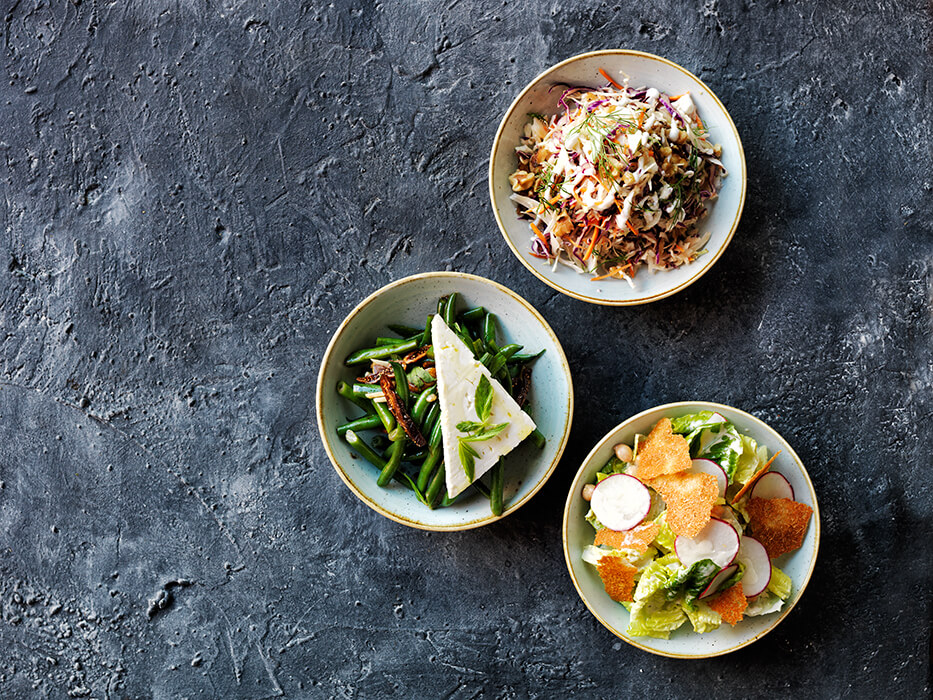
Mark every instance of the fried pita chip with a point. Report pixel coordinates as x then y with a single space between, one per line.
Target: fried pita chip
757 475
689 498
778 523
730 604
618 576
663 453
638 538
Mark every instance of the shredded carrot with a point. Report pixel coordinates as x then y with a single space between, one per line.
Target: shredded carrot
673 99
555 199
540 257
700 122
601 277
613 82
540 236
641 118
589 250
631 228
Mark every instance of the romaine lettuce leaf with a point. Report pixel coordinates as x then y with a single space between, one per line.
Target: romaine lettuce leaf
689 582
690 425
722 444
750 460
592 554
703 617
655 617
613 466
591 519
665 538
763 604
656 576
780 583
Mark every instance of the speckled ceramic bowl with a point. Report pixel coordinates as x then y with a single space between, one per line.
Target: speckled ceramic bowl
643 69
409 301
684 642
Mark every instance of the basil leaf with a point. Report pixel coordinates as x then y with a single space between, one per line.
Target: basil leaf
483 399
466 459
486 434
469 426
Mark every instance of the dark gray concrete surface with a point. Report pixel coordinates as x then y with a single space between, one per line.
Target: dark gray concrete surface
194 194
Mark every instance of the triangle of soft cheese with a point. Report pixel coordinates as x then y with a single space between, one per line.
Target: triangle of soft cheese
458 375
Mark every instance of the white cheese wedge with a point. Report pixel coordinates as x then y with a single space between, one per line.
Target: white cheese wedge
458 375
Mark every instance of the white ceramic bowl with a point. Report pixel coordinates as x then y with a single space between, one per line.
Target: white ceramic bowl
643 69
408 301
684 642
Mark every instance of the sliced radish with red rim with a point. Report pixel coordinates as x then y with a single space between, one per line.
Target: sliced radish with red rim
718 580
620 502
754 557
718 541
708 466
773 485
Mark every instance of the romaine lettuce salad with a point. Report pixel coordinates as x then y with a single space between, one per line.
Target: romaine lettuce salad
688 520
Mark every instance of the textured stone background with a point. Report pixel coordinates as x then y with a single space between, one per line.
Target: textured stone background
195 193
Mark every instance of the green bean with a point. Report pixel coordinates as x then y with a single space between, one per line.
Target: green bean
489 333
496 485
365 423
537 437
415 457
437 483
518 357
435 454
441 305
422 404
498 362
404 331
505 379
347 392
450 310
448 501
486 358
395 458
385 415
366 452
474 314
431 418
382 340
362 356
401 384
426 336
365 390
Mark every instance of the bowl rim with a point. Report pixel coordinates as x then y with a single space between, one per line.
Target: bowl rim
574 487
743 173
325 438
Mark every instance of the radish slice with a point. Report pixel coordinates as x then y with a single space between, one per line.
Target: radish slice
718 541
717 418
717 581
757 566
708 466
620 502
773 485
